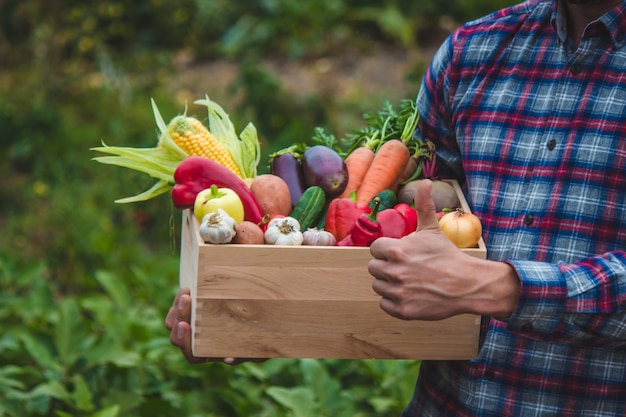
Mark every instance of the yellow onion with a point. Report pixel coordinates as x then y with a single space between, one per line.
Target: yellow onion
462 228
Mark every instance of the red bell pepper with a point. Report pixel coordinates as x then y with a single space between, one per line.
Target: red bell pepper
410 213
366 230
342 215
393 223
196 173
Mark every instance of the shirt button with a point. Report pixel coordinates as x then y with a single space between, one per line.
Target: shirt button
575 69
551 144
527 327
490 375
529 219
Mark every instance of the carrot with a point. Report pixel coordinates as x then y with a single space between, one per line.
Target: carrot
357 163
388 164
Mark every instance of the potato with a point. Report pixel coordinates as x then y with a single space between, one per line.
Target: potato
248 233
272 194
406 193
442 193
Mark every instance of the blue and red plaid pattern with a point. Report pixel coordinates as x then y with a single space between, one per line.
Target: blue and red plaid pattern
539 125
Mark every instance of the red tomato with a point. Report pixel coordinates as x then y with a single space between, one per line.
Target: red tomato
409 212
393 223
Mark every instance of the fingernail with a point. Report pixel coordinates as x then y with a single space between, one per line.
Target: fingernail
182 303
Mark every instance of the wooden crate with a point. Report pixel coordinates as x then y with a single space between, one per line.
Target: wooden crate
263 301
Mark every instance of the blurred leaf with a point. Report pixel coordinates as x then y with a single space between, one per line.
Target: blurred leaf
382 404
8 342
82 395
68 332
39 351
115 288
327 390
7 378
10 408
53 389
299 400
112 411
127 399
110 351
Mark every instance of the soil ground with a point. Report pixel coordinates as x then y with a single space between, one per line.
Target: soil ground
383 73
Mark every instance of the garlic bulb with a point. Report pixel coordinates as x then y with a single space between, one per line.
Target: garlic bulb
283 231
316 237
218 227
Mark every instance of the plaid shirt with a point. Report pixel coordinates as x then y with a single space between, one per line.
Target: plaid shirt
538 127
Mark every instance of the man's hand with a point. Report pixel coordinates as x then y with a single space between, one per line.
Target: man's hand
424 276
178 323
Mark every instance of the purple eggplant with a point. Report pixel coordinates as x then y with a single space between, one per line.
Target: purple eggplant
324 167
288 167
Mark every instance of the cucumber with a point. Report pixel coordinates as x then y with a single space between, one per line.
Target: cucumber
321 220
309 206
388 199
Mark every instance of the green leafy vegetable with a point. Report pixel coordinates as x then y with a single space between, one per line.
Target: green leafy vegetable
159 162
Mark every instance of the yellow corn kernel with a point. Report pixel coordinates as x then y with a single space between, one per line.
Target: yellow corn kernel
195 139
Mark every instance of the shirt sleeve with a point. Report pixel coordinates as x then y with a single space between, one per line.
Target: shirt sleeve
582 303
433 99
434 106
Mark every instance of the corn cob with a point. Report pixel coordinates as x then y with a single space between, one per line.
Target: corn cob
195 139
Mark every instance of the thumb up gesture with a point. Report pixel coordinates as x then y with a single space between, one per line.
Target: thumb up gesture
424 276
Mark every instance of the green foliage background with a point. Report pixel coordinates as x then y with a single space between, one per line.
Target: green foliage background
84 283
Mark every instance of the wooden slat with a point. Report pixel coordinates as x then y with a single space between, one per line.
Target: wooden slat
266 272
312 329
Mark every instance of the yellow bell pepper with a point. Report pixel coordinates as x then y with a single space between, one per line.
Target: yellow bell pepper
213 198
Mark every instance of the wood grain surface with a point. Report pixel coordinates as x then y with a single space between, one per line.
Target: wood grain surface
264 301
